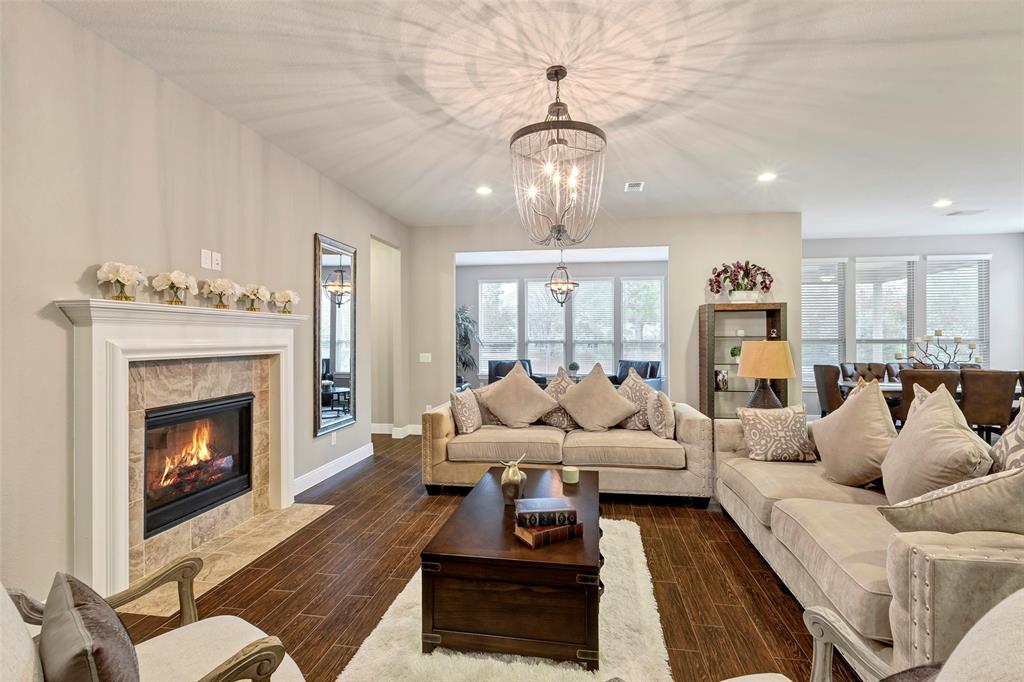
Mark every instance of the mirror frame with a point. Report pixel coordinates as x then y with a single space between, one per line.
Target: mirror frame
320 427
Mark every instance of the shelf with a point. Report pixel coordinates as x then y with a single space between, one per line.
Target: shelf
746 337
736 390
727 364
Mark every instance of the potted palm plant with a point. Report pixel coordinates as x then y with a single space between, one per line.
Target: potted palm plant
466 333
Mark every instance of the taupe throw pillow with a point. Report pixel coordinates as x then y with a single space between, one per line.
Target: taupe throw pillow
661 415
82 637
993 503
517 400
853 440
776 435
558 417
466 411
487 417
594 403
936 448
636 391
1008 452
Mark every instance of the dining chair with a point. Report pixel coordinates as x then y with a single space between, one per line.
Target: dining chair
826 379
868 371
987 399
928 379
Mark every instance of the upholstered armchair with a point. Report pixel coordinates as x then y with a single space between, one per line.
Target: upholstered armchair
496 369
217 649
649 371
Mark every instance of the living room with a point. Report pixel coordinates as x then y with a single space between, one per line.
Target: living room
306 337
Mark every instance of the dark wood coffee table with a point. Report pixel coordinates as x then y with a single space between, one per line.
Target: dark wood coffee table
485 590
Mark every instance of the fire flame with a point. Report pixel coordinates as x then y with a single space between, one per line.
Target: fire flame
191 454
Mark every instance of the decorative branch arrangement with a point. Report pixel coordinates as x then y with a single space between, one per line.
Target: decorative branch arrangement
931 351
745 276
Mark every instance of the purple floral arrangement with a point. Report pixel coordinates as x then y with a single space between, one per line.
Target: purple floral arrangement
745 276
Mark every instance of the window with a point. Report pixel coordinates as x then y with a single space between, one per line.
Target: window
885 308
593 324
957 300
823 315
642 316
499 321
545 329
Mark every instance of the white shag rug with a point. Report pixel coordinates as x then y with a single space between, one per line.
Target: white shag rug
631 641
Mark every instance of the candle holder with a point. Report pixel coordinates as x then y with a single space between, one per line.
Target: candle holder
931 350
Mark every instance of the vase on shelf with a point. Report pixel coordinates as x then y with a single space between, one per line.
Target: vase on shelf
738 296
254 305
286 308
220 304
175 296
121 292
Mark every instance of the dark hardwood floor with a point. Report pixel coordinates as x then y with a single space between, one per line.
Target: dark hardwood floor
323 590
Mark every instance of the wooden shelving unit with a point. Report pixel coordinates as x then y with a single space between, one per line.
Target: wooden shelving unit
719 323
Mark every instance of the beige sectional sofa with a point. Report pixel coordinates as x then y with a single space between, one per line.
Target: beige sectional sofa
888 600
629 461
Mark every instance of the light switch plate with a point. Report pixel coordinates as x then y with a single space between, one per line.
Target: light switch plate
425 357
216 260
206 259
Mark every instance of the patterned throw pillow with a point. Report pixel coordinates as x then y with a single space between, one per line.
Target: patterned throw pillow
1008 452
987 503
466 411
637 392
661 415
776 435
558 417
487 417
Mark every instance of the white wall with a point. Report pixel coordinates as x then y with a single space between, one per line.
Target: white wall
103 159
696 244
385 310
1006 318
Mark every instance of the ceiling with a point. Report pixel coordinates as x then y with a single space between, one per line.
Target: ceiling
628 254
867 111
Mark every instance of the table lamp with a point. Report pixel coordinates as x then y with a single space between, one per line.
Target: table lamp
764 360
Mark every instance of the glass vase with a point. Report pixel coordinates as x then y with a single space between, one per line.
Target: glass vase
286 308
121 292
175 296
220 304
254 305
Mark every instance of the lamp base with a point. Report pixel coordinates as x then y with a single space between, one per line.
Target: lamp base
764 397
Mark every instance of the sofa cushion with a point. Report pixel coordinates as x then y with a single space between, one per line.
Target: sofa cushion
624 448
777 435
19 661
540 444
1008 452
558 385
661 415
466 411
761 484
517 400
594 403
853 439
635 390
842 546
190 653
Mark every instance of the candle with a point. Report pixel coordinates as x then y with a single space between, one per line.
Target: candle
977 358
928 338
957 339
740 332
899 356
938 332
917 339
972 345
570 474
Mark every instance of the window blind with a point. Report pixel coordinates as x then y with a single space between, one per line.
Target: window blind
885 308
545 329
957 300
642 319
822 315
498 321
593 324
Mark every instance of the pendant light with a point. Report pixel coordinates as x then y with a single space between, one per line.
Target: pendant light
340 291
560 283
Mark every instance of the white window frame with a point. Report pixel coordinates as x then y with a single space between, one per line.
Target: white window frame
526 340
914 287
984 340
620 340
842 342
481 365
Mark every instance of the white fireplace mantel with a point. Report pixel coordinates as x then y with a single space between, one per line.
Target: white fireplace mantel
108 335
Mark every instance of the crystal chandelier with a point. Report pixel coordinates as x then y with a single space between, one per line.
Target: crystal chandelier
339 290
557 170
561 284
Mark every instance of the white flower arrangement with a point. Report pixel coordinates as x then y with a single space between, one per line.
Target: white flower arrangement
255 293
122 277
223 290
177 282
285 299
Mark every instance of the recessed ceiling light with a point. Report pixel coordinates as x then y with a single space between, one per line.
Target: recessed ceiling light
767 176
943 203
483 190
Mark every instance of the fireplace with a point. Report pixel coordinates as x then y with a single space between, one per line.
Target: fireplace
197 455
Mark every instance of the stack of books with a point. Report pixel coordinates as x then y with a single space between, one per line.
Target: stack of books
542 521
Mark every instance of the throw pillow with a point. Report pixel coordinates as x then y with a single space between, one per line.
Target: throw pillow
637 392
661 415
558 417
594 403
1008 452
466 411
517 400
920 395
776 435
936 448
487 417
82 637
853 440
992 502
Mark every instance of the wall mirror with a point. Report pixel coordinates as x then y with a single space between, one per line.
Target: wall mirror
334 335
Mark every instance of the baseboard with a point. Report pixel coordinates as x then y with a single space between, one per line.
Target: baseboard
381 428
322 473
407 430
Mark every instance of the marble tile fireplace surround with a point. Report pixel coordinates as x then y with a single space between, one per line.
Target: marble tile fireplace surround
133 357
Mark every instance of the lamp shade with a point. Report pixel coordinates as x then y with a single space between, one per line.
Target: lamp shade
766 360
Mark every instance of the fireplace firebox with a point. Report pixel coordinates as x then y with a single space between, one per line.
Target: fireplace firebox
198 455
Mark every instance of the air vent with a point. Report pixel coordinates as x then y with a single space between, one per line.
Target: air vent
634 187
967 211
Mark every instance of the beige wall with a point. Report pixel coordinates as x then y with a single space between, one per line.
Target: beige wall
696 244
105 160
385 304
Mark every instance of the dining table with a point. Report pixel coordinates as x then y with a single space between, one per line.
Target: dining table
890 389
